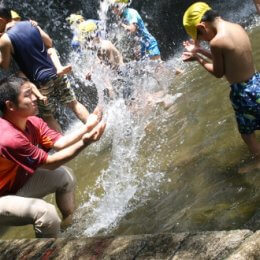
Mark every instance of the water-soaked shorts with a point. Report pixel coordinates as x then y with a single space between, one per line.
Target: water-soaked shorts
56 90
245 98
150 49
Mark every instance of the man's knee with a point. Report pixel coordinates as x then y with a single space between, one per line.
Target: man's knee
46 219
67 179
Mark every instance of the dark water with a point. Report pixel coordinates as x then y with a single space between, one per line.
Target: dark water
159 170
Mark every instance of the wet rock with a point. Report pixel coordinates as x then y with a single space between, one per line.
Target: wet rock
237 244
250 249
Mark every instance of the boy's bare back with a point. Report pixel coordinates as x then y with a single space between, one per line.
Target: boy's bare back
236 51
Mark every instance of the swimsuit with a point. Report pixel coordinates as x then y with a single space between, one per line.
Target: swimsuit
149 45
245 98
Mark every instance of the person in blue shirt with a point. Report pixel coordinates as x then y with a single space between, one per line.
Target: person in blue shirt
132 22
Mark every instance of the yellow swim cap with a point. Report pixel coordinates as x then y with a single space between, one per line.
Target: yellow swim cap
15 15
87 30
74 18
87 27
192 17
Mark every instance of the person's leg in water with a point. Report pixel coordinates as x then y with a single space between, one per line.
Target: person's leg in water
61 70
254 147
244 97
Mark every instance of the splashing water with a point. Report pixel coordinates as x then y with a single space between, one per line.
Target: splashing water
126 183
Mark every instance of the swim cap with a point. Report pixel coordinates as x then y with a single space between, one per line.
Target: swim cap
192 17
75 18
15 15
87 27
87 30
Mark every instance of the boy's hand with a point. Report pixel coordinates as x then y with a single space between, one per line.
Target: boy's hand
44 99
191 46
188 56
33 23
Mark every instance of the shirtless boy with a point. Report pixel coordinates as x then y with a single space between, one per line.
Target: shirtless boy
230 55
88 35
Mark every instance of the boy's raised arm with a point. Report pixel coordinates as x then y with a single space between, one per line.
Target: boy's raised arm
5 49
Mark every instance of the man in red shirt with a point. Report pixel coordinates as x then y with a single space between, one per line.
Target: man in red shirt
27 171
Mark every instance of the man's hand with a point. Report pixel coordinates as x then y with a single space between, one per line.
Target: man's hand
95 134
188 56
94 118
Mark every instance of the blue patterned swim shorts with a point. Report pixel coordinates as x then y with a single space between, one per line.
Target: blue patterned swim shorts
245 98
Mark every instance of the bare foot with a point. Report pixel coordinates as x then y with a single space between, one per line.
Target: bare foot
67 222
255 165
64 70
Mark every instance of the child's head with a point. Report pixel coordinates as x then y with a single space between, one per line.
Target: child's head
75 19
88 31
118 6
197 20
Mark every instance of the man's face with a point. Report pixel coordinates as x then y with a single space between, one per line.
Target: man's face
27 101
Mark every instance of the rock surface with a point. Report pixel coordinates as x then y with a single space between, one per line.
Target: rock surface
237 244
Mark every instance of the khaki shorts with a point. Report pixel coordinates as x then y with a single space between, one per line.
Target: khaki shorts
27 207
57 90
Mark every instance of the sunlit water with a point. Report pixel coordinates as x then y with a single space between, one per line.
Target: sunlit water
163 170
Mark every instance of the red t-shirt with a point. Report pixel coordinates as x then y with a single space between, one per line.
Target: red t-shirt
21 153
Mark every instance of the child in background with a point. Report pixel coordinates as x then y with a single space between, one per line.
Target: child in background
133 23
61 70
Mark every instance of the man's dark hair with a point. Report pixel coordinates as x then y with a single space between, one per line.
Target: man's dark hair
10 90
209 16
5 12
